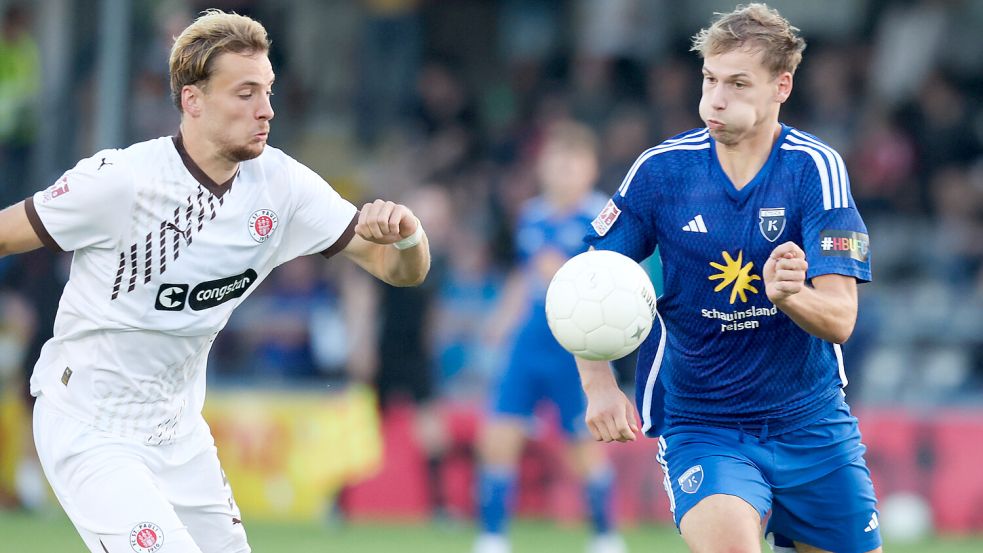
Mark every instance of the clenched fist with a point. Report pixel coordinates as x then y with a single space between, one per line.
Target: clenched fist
785 272
385 222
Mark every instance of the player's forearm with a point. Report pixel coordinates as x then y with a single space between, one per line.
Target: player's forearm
407 267
822 313
596 376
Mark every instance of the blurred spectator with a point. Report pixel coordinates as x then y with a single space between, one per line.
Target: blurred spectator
291 331
471 290
672 93
397 340
908 39
20 82
829 97
883 163
942 125
390 52
625 136
958 251
536 370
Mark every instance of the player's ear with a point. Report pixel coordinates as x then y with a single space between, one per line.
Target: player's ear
784 87
191 99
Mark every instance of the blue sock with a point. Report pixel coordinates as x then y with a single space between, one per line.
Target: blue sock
597 492
495 498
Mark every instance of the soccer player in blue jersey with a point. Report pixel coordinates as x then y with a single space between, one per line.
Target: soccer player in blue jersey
762 248
549 232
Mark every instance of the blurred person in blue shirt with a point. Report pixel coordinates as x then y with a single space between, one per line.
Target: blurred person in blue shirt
548 233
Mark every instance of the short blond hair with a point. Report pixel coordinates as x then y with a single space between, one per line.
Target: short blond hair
214 33
571 135
757 27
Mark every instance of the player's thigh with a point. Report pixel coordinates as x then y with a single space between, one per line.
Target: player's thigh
722 524
700 462
835 512
106 488
202 498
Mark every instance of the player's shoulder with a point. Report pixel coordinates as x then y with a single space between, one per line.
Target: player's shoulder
808 150
115 163
817 166
689 144
275 164
275 159
683 147
675 155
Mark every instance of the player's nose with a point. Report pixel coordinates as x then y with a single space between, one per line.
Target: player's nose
718 99
265 111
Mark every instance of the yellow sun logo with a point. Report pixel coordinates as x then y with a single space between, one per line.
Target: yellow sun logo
734 272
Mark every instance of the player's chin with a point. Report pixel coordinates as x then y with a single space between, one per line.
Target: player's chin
725 136
249 151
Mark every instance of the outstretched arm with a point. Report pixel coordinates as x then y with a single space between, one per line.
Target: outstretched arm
827 309
16 233
390 244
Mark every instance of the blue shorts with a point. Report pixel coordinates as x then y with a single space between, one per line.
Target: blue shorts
813 480
538 372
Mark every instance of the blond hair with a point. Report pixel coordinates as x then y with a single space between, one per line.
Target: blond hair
200 44
758 28
571 135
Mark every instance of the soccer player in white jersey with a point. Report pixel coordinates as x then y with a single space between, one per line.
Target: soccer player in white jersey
169 236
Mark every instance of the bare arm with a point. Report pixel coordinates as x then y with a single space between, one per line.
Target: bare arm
827 309
611 416
381 225
515 296
16 233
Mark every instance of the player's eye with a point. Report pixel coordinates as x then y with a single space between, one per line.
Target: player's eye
709 79
739 85
246 95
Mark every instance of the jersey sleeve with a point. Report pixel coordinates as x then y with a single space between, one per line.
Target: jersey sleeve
321 220
626 223
86 207
834 235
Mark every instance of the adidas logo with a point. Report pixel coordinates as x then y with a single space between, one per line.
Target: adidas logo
696 225
873 524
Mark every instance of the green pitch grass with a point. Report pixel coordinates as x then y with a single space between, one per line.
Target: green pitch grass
21 533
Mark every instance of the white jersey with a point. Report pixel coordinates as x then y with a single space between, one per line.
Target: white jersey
163 255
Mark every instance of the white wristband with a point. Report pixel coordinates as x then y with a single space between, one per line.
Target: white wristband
411 240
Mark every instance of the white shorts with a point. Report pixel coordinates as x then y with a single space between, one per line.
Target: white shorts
126 497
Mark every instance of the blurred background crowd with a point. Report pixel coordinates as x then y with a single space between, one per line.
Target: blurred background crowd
442 105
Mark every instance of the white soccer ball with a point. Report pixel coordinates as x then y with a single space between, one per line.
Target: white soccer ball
600 305
905 517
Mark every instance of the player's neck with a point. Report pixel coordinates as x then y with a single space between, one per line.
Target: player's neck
207 156
742 161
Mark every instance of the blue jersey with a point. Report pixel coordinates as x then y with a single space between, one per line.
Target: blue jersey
721 351
541 228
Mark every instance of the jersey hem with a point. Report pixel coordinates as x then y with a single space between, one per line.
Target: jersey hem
767 426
